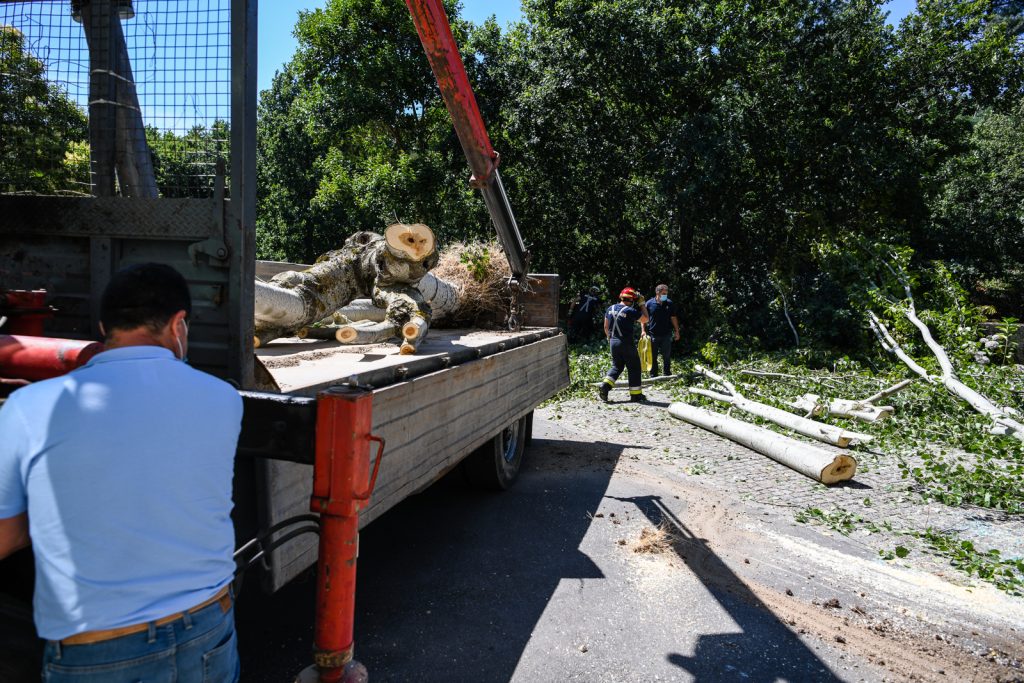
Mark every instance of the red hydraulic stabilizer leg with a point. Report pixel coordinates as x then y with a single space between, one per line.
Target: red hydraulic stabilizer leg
342 483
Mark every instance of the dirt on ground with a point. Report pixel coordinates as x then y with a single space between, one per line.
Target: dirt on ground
916 617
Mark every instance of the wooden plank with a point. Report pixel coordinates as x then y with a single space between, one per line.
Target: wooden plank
429 423
540 300
268 269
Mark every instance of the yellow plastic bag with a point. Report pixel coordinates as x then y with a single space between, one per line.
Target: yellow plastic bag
646 357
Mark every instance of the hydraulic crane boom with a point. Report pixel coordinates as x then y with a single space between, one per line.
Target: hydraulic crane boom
436 35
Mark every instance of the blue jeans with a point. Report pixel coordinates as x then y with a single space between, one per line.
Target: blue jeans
198 648
661 345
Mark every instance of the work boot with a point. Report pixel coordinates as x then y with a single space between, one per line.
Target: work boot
638 398
605 388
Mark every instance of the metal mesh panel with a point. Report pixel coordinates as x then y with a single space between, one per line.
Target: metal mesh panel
114 97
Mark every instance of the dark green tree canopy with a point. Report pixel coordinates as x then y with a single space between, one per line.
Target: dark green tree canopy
713 145
39 125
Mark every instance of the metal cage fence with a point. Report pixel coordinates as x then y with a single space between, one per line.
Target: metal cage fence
127 98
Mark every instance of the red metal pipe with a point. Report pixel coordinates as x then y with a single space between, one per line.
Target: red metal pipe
342 484
36 358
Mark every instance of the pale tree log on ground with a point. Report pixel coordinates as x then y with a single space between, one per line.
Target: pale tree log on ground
384 268
864 410
1004 418
836 436
811 461
647 381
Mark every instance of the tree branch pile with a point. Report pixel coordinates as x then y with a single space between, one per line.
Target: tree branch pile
380 288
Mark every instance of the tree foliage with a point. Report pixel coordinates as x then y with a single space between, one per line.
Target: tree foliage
711 145
42 130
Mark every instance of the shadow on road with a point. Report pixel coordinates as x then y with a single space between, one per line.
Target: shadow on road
451 582
765 649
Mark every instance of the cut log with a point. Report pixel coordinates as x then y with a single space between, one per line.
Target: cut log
811 461
358 309
385 268
837 436
416 240
444 298
371 333
623 384
413 332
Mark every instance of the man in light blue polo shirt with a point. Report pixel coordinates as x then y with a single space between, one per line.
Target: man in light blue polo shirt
120 474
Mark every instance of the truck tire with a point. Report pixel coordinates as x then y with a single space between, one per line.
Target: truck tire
495 465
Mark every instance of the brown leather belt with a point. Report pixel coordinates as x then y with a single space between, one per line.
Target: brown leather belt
223 597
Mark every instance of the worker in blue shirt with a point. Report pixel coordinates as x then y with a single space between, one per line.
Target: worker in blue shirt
119 475
618 329
663 328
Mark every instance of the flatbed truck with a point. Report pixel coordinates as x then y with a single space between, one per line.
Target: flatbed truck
344 433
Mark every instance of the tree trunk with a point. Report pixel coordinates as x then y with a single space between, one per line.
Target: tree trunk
836 436
811 461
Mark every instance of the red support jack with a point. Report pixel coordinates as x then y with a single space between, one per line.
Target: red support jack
342 484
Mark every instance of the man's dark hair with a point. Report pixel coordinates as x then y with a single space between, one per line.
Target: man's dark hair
145 294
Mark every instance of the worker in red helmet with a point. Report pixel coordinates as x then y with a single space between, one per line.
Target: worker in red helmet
619 320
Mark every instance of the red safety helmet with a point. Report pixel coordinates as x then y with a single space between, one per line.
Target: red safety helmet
628 293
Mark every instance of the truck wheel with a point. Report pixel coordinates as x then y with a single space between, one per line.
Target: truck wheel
496 464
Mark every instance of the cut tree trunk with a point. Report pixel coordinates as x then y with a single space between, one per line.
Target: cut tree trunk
384 268
811 461
837 436
371 333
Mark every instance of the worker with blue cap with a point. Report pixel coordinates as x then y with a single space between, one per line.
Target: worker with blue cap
618 329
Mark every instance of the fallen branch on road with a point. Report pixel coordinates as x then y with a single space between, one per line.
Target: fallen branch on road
1003 417
864 410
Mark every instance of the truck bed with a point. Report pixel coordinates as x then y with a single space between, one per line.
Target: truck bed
304 367
433 409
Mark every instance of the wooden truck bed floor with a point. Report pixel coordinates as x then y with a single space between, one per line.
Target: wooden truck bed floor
305 366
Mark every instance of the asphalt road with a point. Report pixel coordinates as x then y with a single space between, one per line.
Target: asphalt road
541 583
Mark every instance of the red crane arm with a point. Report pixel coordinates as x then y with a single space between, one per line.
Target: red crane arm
446 62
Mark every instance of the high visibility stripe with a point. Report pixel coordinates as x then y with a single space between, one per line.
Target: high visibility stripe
634 392
609 381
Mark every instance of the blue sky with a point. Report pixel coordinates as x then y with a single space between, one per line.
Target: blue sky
277 19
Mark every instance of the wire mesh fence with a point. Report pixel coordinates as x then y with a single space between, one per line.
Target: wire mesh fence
126 98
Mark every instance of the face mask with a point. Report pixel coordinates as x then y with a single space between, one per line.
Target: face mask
663 297
181 349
